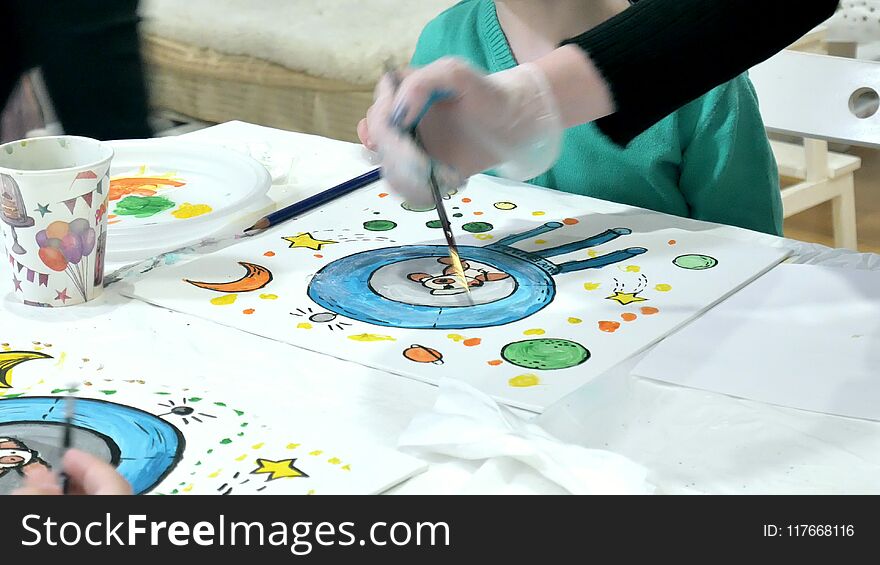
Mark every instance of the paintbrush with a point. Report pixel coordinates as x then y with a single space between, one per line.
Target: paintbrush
435 193
69 410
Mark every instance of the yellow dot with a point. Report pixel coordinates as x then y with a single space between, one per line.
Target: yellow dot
592 253
540 241
334 461
455 337
311 491
633 269
484 236
241 457
346 467
188 488
523 381
574 320
663 287
304 326
316 452
292 445
534 331
257 445
269 296
591 285
224 300
215 474
538 213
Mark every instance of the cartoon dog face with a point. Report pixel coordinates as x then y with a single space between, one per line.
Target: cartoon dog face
448 283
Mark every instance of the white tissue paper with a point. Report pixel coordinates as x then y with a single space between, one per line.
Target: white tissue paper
520 457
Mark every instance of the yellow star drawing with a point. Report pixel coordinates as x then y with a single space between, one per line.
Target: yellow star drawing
306 240
277 469
624 298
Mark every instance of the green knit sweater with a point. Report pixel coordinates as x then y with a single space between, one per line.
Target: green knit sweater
709 160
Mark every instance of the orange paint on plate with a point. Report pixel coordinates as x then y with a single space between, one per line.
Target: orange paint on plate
383 194
495 362
319 256
466 200
472 341
609 327
649 310
478 213
248 312
672 242
628 317
570 221
269 254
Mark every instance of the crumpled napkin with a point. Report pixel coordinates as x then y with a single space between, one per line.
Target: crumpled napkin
519 456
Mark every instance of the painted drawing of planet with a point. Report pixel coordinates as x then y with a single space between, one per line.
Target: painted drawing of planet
695 262
421 354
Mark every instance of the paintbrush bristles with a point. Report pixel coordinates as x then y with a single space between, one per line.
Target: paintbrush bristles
459 269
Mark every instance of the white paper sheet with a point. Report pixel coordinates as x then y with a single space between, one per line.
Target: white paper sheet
196 436
362 279
801 336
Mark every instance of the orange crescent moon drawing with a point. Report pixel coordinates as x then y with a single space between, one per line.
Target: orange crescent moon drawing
256 278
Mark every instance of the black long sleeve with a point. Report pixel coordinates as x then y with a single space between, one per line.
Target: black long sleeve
660 54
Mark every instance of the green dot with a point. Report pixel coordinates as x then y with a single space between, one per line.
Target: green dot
477 227
695 262
545 353
436 224
458 215
379 225
413 208
225 441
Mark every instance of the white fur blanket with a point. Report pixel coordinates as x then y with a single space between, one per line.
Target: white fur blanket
340 39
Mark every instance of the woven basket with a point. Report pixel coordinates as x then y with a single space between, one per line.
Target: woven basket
214 87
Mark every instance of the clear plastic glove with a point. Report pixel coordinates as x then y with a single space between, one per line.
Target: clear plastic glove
87 475
468 122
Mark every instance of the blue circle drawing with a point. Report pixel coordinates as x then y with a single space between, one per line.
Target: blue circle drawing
148 446
344 287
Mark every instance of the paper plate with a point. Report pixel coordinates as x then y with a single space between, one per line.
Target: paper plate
166 194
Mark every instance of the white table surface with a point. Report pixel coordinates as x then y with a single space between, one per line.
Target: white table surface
692 441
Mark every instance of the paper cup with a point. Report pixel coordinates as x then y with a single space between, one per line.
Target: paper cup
53 212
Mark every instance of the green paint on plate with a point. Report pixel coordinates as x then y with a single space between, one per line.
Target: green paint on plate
143 206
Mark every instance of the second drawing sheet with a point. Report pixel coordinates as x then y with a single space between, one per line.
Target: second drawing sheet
558 292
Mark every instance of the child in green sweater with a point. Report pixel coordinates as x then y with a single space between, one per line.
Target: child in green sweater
709 160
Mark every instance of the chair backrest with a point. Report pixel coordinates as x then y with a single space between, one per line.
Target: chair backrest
820 97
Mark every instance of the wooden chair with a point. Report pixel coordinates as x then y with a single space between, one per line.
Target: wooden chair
820 99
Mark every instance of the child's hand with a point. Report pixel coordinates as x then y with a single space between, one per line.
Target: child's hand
468 122
87 475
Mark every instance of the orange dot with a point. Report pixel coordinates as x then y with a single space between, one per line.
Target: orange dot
570 221
472 341
495 362
609 327
269 254
249 311
478 213
628 317
319 256
111 216
383 194
648 310
672 242
466 200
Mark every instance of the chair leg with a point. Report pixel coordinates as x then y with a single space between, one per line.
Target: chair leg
843 212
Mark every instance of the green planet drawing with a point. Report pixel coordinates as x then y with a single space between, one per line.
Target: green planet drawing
379 225
545 353
477 227
695 262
